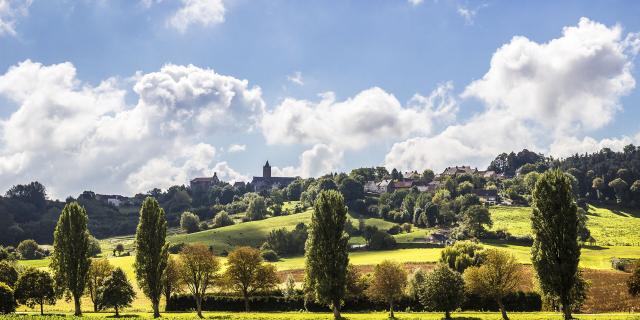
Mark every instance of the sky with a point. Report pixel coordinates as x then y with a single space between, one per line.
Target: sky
122 96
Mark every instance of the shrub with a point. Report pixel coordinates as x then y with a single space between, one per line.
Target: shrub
461 255
28 249
406 227
634 282
222 219
94 247
175 248
269 255
189 222
8 273
377 239
7 300
203 226
394 230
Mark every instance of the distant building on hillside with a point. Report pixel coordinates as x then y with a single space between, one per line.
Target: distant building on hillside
489 197
267 182
456 171
204 183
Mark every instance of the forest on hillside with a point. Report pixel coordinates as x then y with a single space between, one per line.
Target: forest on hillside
606 177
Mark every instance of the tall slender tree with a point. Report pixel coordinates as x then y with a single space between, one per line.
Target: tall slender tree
151 251
326 250
555 252
70 259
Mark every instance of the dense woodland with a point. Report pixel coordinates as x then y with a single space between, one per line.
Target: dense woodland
605 177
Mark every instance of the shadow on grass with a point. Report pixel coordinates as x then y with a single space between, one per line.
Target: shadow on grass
123 315
595 247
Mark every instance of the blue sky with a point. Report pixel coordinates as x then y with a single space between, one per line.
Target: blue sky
350 70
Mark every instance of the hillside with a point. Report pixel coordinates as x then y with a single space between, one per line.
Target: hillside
610 227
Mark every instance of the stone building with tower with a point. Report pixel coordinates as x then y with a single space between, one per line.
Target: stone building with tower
204 183
268 182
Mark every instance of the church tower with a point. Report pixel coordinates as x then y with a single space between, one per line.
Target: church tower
266 170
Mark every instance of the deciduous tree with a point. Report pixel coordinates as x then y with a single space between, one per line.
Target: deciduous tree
116 292
246 273
171 279
555 252
70 259
198 269
35 287
326 250
99 270
443 290
189 222
151 251
496 278
388 283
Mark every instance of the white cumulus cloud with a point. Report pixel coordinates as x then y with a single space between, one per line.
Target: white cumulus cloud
198 12
371 116
72 135
541 96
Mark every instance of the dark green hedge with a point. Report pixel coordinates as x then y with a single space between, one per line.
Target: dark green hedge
519 301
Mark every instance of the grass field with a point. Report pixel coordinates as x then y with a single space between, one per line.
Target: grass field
355 316
610 227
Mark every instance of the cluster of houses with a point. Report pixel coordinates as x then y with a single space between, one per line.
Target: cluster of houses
413 179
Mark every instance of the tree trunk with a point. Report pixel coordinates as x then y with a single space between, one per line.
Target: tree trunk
199 306
336 310
117 314
167 296
41 309
156 308
76 302
447 314
566 311
391 315
245 295
502 309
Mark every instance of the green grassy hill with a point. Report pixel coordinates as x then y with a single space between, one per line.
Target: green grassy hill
610 227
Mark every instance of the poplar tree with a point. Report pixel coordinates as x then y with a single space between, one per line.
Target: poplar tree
70 260
151 251
555 253
326 250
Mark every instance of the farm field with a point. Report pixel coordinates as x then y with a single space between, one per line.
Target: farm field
355 316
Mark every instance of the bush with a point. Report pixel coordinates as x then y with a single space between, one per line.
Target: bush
94 247
203 226
189 222
461 255
222 219
8 273
276 301
269 255
28 249
7 300
377 239
396 229
175 248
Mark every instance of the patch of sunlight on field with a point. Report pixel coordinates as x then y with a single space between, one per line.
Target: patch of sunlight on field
610 227
355 316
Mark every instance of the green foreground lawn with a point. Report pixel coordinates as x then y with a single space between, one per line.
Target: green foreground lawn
359 316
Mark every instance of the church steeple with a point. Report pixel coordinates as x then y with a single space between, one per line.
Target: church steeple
266 170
